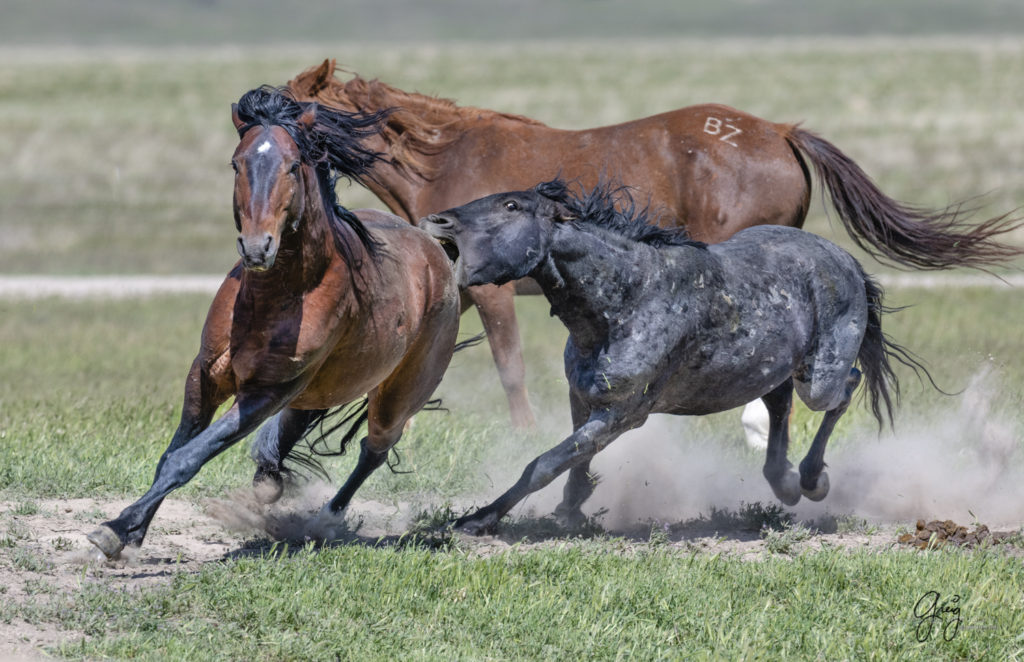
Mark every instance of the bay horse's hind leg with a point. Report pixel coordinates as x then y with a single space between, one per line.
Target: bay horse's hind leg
398 397
274 441
813 479
778 471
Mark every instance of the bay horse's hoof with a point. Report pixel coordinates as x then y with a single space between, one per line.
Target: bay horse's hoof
267 487
107 541
820 490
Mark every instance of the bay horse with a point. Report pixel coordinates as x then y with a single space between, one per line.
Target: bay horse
660 323
325 305
711 168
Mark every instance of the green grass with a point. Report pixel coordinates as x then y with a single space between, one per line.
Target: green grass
585 600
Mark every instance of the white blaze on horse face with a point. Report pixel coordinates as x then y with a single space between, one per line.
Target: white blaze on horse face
264 147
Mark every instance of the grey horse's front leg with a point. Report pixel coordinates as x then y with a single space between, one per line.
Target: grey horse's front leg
578 448
177 467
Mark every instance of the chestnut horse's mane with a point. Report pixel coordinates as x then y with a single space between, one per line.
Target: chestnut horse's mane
416 123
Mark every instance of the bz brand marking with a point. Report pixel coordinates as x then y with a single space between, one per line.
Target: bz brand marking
716 127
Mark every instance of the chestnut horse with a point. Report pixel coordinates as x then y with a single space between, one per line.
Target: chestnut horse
326 305
710 168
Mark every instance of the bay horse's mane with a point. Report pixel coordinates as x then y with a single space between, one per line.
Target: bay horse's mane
415 122
332 145
612 207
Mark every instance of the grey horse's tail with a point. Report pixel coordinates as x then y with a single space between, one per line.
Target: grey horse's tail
875 356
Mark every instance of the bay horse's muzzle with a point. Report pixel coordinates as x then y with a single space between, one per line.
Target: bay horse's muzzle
258 253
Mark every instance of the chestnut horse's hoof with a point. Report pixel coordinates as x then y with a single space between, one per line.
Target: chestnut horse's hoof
106 541
820 490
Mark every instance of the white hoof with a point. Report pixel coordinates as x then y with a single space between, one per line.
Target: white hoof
755 424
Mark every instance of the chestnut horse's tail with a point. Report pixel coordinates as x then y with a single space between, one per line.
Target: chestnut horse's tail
901 233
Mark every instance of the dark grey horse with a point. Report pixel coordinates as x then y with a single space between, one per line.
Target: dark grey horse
661 324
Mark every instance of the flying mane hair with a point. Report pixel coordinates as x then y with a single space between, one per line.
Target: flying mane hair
333 146
612 207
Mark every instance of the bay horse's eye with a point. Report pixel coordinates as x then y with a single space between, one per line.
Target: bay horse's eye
294 167
512 205
234 166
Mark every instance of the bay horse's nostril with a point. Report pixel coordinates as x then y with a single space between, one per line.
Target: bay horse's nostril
268 241
241 247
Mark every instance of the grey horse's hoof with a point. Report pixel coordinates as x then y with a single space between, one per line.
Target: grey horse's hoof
820 490
787 489
106 541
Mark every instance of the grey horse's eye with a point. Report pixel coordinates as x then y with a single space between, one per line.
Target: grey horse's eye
512 205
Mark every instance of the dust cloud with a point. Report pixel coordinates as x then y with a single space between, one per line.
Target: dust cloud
964 463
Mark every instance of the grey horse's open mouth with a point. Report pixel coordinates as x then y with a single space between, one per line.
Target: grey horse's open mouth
450 248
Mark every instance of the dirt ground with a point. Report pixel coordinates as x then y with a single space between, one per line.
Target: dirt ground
45 546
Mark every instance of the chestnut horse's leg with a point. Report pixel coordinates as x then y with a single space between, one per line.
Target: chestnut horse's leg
274 441
498 315
777 469
179 465
813 479
577 449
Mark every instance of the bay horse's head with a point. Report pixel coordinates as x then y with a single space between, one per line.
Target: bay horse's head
289 151
501 237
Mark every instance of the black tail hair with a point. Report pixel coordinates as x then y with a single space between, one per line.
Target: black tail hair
876 351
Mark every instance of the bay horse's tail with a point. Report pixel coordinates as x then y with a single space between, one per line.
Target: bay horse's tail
901 233
876 352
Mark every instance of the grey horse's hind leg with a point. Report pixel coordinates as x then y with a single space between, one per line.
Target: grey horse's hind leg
274 441
778 470
813 479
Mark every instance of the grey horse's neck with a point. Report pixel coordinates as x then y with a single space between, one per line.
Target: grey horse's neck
595 279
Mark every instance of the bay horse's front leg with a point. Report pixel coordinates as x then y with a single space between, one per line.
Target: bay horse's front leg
274 441
177 467
496 306
576 449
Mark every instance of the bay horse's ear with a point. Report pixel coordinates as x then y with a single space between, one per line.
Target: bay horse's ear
239 124
308 117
